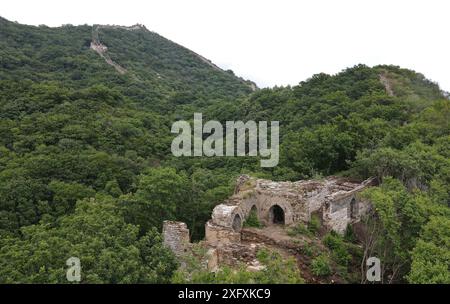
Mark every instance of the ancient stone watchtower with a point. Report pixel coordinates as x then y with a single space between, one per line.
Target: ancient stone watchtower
335 201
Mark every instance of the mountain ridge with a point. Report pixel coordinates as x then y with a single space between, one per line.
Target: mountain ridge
86 167
156 61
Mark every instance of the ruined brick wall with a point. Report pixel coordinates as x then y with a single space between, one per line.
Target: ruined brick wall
345 206
336 216
216 235
246 202
364 207
176 236
267 201
236 253
314 195
336 200
330 198
226 215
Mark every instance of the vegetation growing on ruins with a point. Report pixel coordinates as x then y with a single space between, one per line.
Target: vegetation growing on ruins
252 220
299 229
276 269
320 265
314 224
85 163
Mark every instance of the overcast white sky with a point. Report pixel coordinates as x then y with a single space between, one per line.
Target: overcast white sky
276 42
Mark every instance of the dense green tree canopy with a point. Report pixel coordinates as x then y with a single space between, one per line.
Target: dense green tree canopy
72 128
110 250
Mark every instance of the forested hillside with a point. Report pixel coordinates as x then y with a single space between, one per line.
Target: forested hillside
86 168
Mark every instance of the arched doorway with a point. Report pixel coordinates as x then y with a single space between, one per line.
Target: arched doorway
276 215
253 214
353 209
237 222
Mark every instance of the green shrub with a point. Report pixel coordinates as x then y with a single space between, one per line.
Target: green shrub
338 248
349 234
314 224
309 250
299 229
332 241
320 266
355 251
252 220
279 270
341 256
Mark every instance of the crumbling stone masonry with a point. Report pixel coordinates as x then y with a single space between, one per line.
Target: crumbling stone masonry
176 237
334 200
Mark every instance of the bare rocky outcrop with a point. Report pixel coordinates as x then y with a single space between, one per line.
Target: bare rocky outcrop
387 84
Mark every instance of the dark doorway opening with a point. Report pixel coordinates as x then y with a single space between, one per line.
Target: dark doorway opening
276 214
237 223
353 209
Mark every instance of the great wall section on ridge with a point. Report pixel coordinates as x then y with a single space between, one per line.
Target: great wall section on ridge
102 50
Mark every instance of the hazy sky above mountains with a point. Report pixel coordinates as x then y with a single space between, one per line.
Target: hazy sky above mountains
275 42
